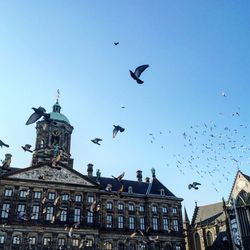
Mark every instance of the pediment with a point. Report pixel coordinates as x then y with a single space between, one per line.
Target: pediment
241 183
49 174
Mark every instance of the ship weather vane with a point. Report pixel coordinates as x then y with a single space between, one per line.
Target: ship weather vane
57 95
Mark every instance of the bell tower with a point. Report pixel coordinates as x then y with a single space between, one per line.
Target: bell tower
53 134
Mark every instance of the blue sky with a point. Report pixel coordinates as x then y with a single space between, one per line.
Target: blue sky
196 50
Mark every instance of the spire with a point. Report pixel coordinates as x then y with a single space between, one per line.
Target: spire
56 106
185 219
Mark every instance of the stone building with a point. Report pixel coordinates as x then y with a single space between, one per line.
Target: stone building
208 229
49 205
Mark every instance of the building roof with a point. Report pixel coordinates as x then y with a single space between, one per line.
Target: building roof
208 214
57 115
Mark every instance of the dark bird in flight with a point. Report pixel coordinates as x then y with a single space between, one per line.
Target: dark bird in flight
3 144
116 43
27 147
39 112
193 185
116 129
136 74
96 141
119 177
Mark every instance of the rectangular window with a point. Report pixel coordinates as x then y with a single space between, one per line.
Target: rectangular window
22 193
164 210
131 207
120 222
154 209
89 217
120 206
89 243
78 198
155 223
109 205
174 210
49 214
75 242
65 197
51 196
77 215
109 221
165 224
175 225
1 239
37 195
141 208
20 208
32 240
63 215
35 212
5 210
131 222
90 199
61 242
8 192
142 223
16 240
46 241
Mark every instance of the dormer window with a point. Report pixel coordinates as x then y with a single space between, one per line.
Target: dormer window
130 189
108 188
162 192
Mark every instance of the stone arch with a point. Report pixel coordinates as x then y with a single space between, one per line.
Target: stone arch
197 241
209 238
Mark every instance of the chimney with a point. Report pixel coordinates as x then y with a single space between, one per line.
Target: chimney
147 179
90 169
139 175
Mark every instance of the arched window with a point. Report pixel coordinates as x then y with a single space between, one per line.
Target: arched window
197 241
108 245
209 238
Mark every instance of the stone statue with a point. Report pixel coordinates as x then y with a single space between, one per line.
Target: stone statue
6 162
98 174
153 172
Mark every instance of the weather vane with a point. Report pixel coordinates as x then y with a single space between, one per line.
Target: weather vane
57 95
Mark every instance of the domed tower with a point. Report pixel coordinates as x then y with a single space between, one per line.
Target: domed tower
53 134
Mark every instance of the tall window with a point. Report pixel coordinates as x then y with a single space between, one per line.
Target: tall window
155 223
174 210
78 198
90 199
89 243
22 193
141 208
89 217
1 239
49 214
8 192
63 215
61 242
75 242
164 210
130 190
120 221
120 206
109 221
32 240
51 196
131 222
142 223
175 225
37 195
16 239
209 238
65 197
165 224
131 207
35 212
20 208
154 209
77 215
197 241
46 241
5 210
109 205
108 245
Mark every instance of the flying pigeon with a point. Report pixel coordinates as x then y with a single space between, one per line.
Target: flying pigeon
96 141
135 75
223 94
27 147
119 178
116 43
3 144
193 185
116 129
39 112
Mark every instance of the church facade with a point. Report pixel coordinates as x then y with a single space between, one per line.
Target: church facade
49 205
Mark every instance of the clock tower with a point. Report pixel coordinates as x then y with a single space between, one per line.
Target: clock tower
53 135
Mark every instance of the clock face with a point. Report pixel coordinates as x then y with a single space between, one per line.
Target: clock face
56 132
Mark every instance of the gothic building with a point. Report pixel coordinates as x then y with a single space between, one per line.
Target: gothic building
49 205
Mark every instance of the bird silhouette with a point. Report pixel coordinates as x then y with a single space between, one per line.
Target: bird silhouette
193 185
3 144
39 112
119 177
116 43
96 141
27 147
116 129
136 74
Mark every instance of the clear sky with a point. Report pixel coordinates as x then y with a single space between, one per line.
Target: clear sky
196 50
